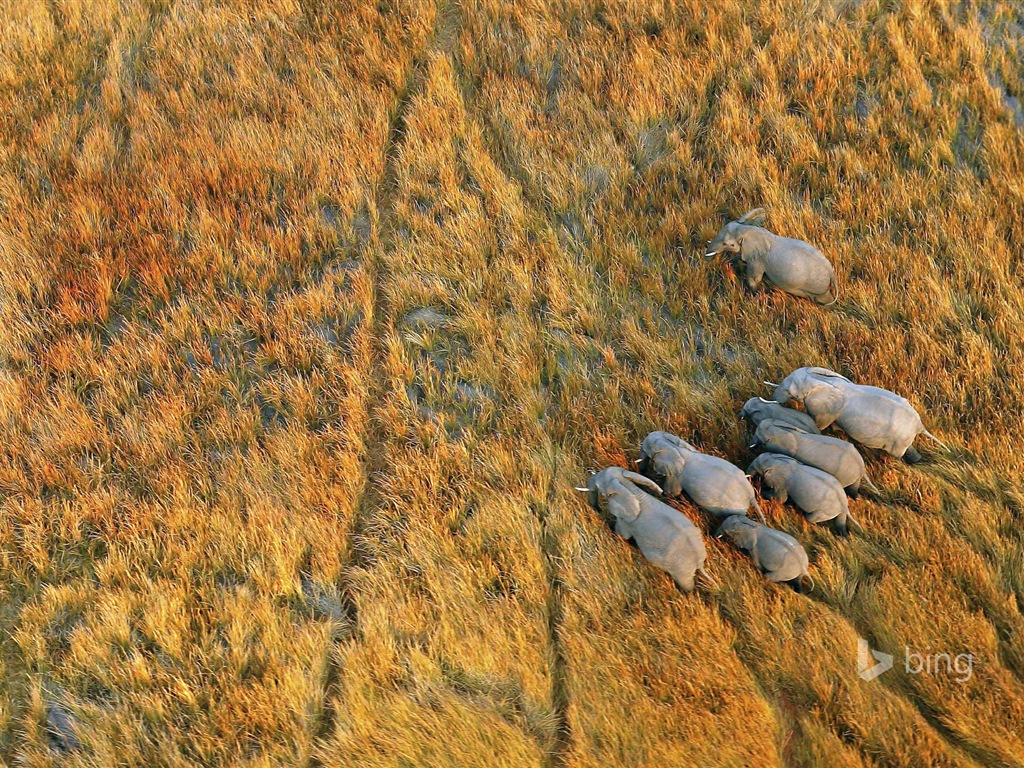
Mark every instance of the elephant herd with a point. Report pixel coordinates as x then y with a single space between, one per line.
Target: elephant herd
814 472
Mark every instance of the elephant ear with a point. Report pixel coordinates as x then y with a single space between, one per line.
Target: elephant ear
754 217
827 373
781 495
744 536
765 431
786 426
824 403
621 503
668 464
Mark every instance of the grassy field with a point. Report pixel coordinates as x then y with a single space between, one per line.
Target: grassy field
313 314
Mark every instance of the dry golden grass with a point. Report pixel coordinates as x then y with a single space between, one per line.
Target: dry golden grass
311 315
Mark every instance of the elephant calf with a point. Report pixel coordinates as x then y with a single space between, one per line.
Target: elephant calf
874 417
757 409
778 555
791 265
664 535
817 494
713 484
829 454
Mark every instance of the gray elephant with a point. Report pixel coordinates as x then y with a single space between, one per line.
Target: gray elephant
874 417
757 409
829 454
713 484
791 265
776 554
815 493
665 536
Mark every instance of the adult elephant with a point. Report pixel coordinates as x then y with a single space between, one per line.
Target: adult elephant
874 417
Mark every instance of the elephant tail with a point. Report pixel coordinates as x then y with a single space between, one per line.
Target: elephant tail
806 577
855 521
871 486
757 508
708 577
926 433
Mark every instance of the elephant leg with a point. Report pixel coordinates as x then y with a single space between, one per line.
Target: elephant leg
684 581
839 525
754 276
911 455
823 421
853 490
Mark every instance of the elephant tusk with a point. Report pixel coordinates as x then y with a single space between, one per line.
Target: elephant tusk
771 384
709 254
752 445
776 402
926 433
582 490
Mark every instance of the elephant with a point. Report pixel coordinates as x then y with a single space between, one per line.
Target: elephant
713 484
757 409
873 417
665 536
829 454
791 265
776 554
816 493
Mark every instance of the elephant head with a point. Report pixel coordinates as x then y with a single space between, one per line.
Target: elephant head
767 464
757 410
618 487
730 237
770 428
752 407
663 457
802 382
741 530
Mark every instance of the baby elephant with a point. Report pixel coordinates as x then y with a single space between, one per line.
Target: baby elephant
791 265
713 484
757 409
664 535
829 454
778 555
817 494
874 417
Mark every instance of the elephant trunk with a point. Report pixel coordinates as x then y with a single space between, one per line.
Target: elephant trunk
591 495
